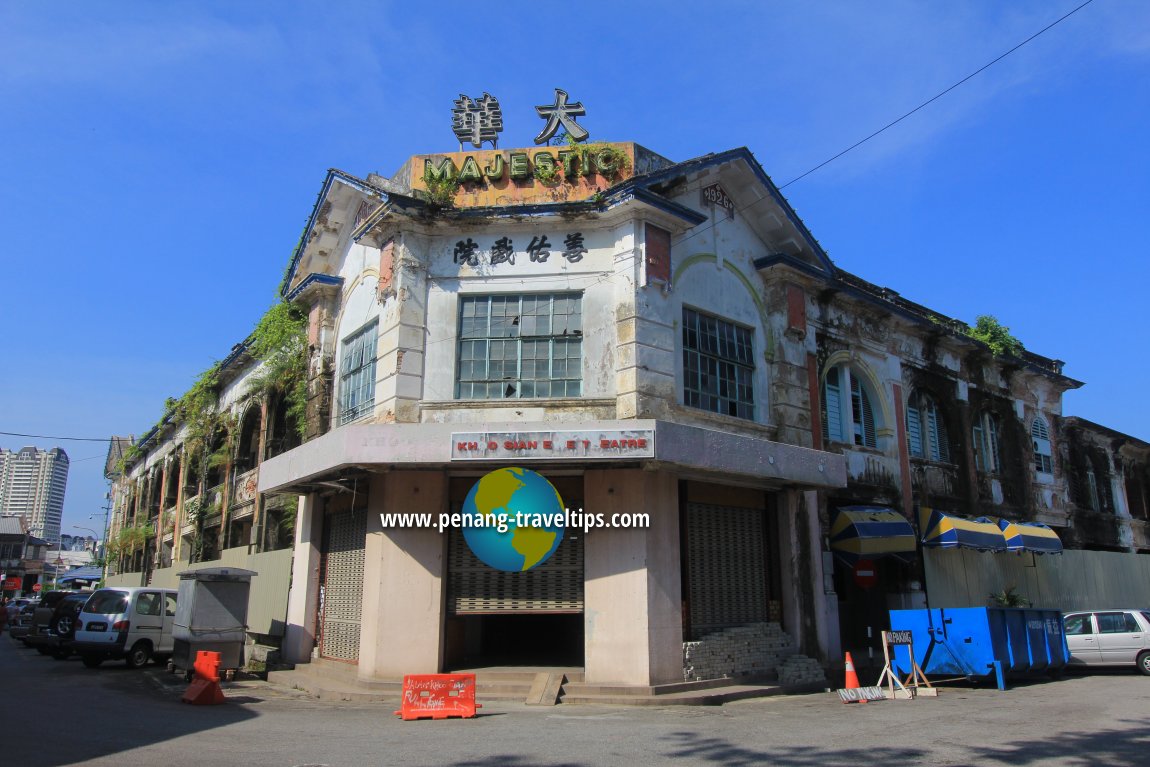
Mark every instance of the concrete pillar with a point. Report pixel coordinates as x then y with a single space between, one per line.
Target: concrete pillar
404 576
300 632
808 615
633 624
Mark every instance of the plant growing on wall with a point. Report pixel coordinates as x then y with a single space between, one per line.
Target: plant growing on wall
280 343
1008 598
995 335
608 160
441 189
547 171
192 509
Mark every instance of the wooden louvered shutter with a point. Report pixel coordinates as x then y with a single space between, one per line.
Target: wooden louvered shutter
832 408
939 439
863 415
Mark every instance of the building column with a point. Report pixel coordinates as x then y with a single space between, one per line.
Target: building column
256 539
299 634
807 614
404 574
632 595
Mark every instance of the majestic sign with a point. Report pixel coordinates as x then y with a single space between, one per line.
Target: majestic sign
538 174
553 445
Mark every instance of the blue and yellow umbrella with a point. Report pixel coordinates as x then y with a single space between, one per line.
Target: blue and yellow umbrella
871 532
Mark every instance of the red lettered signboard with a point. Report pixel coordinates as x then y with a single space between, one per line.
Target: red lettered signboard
866 576
11 584
438 696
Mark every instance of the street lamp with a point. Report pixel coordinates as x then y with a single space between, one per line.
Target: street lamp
95 535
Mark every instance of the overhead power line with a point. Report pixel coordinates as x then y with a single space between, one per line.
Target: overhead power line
939 95
697 231
44 436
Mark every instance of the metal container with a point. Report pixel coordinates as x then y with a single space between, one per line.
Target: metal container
982 642
211 615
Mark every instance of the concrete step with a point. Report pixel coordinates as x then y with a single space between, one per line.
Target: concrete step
333 689
328 680
584 689
706 696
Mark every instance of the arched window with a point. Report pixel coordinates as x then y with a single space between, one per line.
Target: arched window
925 429
985 440
1043 457
855 424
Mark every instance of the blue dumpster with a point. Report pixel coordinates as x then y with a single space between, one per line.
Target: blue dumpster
980 642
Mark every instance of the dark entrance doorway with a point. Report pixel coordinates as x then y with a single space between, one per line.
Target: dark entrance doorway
515 640
500 618
865 612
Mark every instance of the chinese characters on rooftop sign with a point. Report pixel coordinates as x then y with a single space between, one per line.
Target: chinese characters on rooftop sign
477 120
561 113
481 120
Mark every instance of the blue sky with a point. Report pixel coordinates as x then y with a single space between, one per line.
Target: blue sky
159 161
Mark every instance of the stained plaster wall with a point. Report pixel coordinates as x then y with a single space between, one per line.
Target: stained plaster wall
963 380
1100 520
593 276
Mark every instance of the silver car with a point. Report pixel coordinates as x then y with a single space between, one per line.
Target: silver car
1109 638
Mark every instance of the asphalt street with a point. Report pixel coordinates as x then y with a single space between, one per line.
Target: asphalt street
60 713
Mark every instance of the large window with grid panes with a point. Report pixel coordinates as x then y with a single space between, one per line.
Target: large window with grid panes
357 374
718 365
520 346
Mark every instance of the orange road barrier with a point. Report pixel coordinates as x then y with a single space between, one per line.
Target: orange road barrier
205 688
438 696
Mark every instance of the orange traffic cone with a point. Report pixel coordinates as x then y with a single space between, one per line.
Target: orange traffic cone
852 680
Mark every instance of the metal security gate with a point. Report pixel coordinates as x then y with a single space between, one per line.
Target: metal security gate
341 585
726 567
556 586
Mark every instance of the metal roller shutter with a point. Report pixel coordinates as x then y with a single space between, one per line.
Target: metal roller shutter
727 567
556 586
342 593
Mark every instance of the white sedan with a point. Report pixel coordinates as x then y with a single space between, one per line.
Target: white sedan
1109 638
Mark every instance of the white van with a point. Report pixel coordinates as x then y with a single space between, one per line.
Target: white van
129 622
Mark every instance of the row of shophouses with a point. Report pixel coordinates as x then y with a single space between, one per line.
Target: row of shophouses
651 336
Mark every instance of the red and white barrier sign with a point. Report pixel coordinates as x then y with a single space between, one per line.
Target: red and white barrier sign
438 696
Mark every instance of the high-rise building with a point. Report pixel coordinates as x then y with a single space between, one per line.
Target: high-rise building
32 483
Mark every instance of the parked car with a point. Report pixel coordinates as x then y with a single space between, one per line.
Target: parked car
1109 638
55 638
16 605
133 623
20 626
45 608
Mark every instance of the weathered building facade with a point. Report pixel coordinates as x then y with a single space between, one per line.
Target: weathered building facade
650 336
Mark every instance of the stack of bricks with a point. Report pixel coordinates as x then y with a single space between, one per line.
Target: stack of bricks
753 650
799 669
